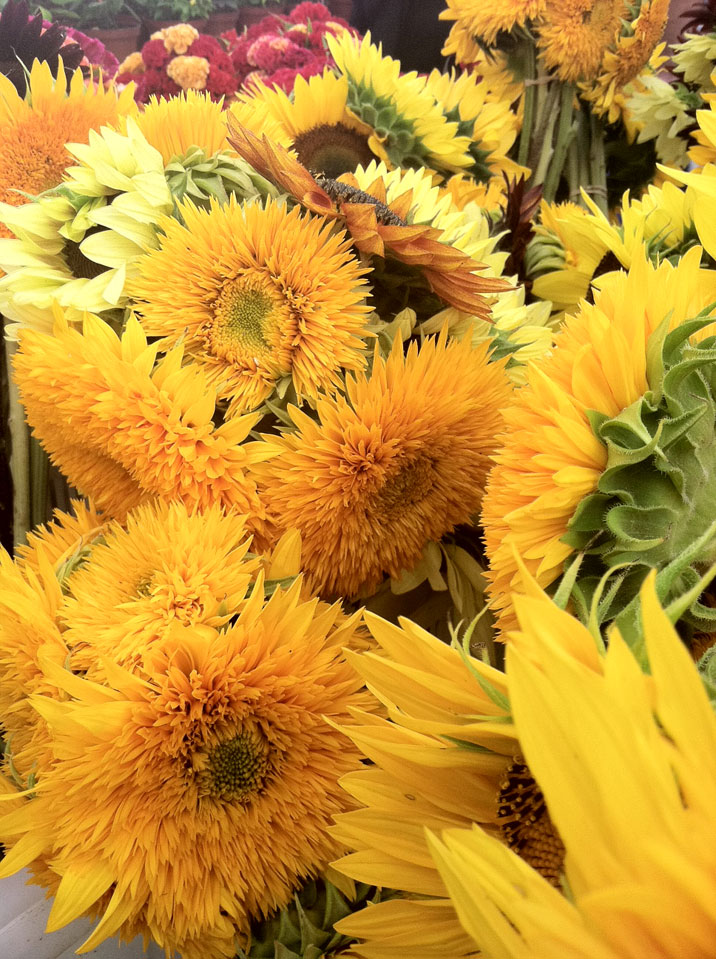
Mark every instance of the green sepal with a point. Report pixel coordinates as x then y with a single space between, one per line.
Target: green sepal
654 506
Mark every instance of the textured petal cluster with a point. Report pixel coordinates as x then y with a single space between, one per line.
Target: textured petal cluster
400 460
188 776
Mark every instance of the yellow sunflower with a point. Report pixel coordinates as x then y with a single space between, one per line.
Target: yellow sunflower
124 430
190 119
260 297
576 34
165 566
551 456
375 228
473 18
639 858
490 120
398 461
522 330
635 47
314 122
78 245
227 737
408 121
34 131
420 777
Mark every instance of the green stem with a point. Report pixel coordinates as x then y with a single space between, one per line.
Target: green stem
597 188
529 102
542 143
566 130
19 456
39 484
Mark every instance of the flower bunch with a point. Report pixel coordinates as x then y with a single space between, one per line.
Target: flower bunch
278 49
179 58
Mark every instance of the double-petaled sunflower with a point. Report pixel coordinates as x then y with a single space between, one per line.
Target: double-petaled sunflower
223 732
576 34
401 459
34 131
259 297
477 21
124 429
639 862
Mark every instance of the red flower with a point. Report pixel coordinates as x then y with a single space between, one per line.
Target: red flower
310 11
270 24
155 82
155 55
205 46
220 83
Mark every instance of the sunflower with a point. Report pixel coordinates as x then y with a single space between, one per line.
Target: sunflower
487 118
123 429
174 125
522 330
556 453
409 123
23 40
259 295
314 122
375 228
575 245
33 132
475 19
446 756
635 47
78 245
576 34
639 859
165 566
398 461
225 736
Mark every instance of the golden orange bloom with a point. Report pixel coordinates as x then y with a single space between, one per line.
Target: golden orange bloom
190 73
192 786
33 132
125 431
576 34
258 296
400 460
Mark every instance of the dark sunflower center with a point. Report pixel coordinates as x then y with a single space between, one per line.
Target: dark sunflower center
406 487
332 149
525 823
77 262
236 770
345 193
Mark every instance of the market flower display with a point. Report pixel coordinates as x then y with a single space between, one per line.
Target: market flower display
357 592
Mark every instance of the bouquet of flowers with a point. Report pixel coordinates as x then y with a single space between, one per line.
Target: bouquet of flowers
278 49
179 58
394 421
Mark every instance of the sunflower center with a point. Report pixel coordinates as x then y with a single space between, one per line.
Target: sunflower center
247 316
406 487
525 823
332 149
77 262
236 770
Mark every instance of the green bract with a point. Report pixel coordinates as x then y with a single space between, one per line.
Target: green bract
655 503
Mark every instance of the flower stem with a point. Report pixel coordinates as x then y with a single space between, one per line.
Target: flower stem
597 188
566 130
19 456
529 102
